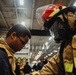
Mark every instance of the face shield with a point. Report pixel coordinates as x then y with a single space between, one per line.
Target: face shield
40 11
58 31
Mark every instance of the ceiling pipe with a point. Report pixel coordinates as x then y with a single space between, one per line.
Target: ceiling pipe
71 1
3 19
21 8
53 1
32 19
16 12
1 13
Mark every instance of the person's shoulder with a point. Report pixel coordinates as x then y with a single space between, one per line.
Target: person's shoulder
3 53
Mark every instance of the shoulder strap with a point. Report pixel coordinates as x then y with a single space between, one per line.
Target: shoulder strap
61 56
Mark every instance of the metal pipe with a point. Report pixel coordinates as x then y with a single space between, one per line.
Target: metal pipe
71 1
1 13
33 14
3 18
16 12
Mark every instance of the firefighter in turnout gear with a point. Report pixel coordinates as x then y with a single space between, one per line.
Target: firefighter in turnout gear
61 21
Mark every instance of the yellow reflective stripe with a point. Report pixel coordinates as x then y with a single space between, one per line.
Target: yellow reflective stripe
75 62
68 67
53 13
56 11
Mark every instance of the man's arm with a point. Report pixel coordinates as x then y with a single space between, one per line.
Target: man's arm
51 68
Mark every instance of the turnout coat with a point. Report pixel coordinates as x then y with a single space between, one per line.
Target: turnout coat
57 67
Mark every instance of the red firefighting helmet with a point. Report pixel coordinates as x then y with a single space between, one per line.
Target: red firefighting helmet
51 11
47 12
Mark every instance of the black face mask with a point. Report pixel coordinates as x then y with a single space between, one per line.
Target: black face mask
59 31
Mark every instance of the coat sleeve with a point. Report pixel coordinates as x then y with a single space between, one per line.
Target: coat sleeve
51 68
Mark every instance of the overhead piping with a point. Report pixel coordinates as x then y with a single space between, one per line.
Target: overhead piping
3 18
16 12
1 13
32 19
71 1
53 1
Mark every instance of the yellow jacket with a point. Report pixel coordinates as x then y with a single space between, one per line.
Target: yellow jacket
9 52
54 67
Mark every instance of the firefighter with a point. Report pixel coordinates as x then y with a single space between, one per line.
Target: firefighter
61 21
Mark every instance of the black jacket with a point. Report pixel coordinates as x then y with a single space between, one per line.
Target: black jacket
17 70
5 67
27 69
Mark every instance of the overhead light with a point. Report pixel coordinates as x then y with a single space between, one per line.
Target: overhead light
55 51
21 2
30 54
34 62
74 4
47 46
46 43
46 56
23 23
43 47
50 38
38 55
58 48
50 54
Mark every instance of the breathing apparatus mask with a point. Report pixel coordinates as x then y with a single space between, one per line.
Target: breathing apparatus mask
60 30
